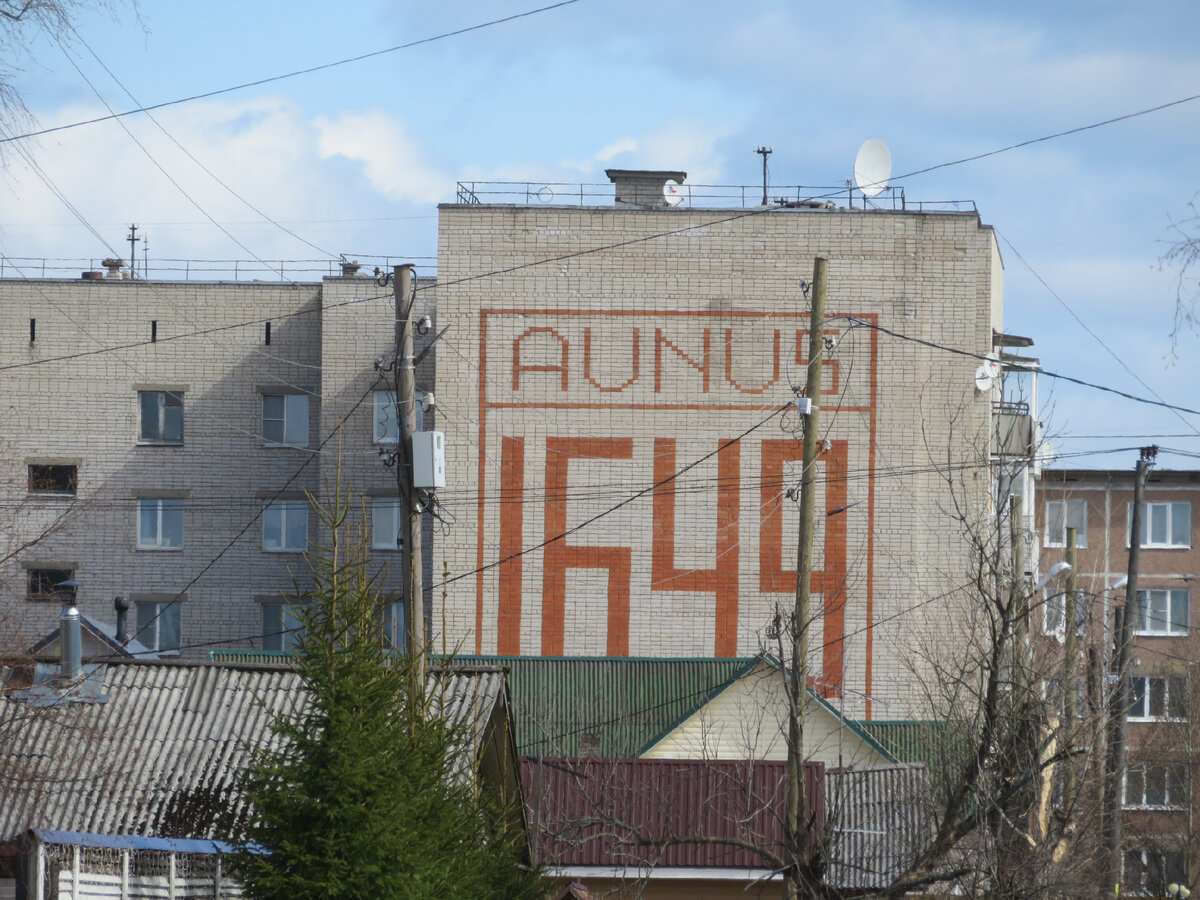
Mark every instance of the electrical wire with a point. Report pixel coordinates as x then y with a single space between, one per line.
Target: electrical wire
274 78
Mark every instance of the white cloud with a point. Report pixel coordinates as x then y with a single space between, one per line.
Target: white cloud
393 162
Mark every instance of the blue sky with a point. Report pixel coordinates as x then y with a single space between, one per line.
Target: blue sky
353 159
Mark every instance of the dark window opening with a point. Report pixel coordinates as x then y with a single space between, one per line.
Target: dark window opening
53 479
43 585
267 335
153 330
32 330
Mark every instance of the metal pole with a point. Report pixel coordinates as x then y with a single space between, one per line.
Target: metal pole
796 822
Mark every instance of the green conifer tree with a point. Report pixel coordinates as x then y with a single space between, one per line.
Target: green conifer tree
365 795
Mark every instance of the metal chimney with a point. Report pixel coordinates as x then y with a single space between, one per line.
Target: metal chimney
122 608
71 643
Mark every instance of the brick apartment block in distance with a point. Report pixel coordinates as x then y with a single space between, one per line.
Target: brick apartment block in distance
159 438
1163 731
598 352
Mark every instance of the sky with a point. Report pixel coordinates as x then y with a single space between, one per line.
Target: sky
353 159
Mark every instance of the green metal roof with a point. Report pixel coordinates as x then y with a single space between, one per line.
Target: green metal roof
620 704
910 741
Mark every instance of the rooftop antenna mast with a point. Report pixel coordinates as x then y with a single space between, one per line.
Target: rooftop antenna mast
765 151
133 239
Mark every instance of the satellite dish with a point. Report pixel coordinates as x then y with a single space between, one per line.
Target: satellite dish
987 376
671 193
872 167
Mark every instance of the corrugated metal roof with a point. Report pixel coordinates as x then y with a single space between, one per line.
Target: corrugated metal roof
611 707
878 820
162 755
910 741
640 813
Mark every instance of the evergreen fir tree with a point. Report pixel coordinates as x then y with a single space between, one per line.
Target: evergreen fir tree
366 795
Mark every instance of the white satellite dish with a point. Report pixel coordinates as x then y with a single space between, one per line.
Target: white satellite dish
987 376
671 193
872 167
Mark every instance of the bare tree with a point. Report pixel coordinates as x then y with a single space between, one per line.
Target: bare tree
1183 255
20 22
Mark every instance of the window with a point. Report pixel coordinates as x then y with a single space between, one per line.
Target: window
285 526
160 524
46 478
43 585
158 624
280 626
162 416
1157 785
395 632
1054 605
285 419
1163 524
1148 871
1163 611
385 524
1064 514
1158 698
387 416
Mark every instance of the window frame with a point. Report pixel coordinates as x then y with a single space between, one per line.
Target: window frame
1059 537
387 398
161 421
1172 508
164 611
1142 886
280 625
378 541
38 573
393 624
160 509
1171 684
1054 613
287 416
1171 595
45 477
283 509
1176 779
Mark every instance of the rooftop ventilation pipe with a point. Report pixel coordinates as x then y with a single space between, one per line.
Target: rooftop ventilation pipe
122 608
71 643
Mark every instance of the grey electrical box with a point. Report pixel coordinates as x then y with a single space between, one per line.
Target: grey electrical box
429 460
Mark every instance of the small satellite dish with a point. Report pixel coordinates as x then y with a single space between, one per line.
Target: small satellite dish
987 376
671 193
872 167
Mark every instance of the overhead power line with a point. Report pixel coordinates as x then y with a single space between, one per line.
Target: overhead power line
274 78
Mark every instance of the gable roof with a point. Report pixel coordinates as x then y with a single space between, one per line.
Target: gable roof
756 668
621 704
105 641
156 748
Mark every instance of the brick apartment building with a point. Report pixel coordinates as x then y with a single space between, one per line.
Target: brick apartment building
1163 732
628 359
635 361
158 440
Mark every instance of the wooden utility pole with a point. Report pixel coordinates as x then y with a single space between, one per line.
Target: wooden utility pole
796 824
1118 707
406 412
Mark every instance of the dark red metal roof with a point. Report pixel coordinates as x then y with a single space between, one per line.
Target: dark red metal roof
661 812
